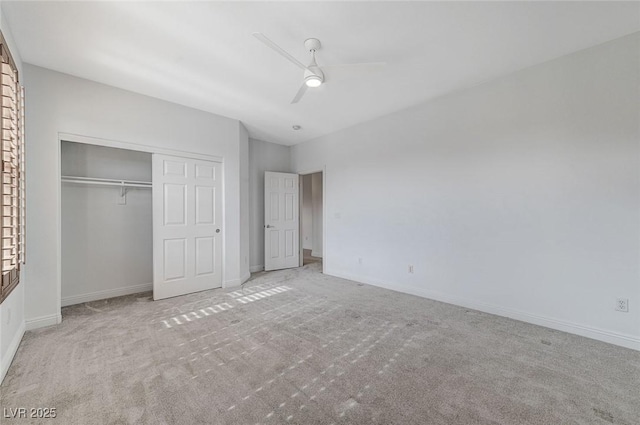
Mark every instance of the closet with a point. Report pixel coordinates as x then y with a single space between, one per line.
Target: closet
107 226
135 221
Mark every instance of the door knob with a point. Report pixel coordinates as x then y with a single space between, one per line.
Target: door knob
217 230
268 226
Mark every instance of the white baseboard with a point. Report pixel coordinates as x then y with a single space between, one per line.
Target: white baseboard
232 283
610 337
316 254
42 321
246 277
258 268
7 358
108 293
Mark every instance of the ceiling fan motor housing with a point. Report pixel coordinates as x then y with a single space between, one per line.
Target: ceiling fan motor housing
312 44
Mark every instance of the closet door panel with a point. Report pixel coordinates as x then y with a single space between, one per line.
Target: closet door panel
205 256
205 172
175 203
205 211
187 206
175 261
175 168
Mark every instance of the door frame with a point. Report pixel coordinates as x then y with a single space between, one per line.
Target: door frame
322 170
88 140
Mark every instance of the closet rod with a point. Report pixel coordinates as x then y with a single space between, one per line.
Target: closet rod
106 182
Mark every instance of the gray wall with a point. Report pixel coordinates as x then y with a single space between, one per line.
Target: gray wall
263 156
106 247
520 196
245 208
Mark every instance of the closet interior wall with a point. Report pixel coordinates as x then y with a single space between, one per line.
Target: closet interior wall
107 240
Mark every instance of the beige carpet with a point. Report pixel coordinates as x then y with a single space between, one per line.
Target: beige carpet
299 347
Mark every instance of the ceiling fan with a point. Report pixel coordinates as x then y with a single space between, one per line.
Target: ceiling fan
314 75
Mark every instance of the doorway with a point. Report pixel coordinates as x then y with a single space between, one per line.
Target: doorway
311 218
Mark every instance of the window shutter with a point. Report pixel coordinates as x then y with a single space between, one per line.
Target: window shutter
12 175
22 185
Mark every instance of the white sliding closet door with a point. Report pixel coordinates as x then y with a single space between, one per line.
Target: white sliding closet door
187 225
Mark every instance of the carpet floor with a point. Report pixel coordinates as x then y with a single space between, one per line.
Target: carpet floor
300 347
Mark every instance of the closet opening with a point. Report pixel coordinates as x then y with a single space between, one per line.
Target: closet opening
106 224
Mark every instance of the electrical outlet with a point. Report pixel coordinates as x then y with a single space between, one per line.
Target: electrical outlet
411 268
622 304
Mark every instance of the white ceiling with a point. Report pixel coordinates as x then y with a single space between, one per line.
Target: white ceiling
202 54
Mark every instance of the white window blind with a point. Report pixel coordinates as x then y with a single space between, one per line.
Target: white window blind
12 177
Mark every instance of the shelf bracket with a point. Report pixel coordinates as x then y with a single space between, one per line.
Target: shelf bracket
123 195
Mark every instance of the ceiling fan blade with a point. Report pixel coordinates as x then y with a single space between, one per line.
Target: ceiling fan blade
352 69
278 49
301 92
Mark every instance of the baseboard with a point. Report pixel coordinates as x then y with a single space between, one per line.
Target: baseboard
258 268
232 283
11 352
42 321
316 254
246 277
108 293
622 340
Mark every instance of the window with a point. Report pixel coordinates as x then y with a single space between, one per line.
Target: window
12 183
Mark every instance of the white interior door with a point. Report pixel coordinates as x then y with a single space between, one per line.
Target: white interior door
281 221
187 225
